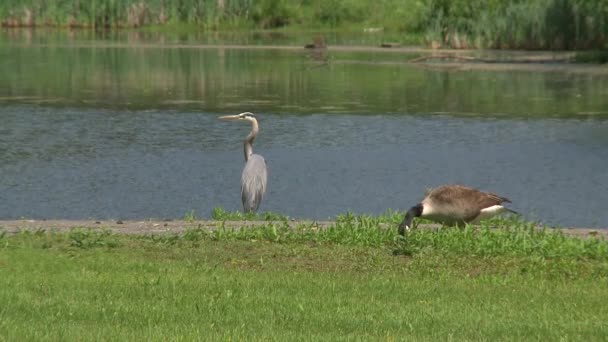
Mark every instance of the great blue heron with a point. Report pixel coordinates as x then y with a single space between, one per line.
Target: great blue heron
456 205
254 176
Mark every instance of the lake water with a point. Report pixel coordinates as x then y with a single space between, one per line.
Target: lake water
119 128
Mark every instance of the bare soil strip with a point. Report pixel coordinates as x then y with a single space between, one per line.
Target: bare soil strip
447 59
513 56
348 48
148 227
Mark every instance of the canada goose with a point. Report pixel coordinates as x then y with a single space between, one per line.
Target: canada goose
456 205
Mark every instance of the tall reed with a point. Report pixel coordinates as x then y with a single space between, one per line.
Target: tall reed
534 24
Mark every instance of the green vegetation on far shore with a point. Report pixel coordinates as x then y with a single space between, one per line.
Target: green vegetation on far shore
356 279
536 24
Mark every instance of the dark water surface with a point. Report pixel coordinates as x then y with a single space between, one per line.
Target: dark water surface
128 132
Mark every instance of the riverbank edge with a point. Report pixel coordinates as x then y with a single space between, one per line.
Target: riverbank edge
155 227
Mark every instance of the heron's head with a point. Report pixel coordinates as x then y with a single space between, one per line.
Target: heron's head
246 116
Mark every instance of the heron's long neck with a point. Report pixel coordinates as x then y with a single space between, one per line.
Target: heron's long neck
248 144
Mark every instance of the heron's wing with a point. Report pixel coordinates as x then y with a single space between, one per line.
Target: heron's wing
253 182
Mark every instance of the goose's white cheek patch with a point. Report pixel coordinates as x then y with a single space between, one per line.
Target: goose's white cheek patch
427 210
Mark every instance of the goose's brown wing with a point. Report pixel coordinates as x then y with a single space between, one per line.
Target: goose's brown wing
495 199
461 202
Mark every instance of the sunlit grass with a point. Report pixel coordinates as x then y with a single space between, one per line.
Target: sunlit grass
349 281
501 236
356 278
221 214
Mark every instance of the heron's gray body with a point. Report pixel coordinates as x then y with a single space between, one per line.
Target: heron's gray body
255 174
253 182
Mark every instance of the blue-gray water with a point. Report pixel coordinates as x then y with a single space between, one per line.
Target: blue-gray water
131 131
75 163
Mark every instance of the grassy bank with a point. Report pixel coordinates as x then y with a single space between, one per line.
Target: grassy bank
546 24
352 280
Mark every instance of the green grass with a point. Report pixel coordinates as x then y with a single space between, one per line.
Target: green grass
220 214
354 280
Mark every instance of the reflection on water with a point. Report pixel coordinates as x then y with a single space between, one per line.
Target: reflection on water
282 81
106 132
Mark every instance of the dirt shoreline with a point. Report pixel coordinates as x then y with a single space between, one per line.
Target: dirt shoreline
507 56
149 227
441 59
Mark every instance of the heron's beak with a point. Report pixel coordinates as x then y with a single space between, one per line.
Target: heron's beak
230 117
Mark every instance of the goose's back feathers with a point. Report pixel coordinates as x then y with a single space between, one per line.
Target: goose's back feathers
453 204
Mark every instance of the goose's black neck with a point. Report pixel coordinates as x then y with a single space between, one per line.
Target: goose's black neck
414 211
